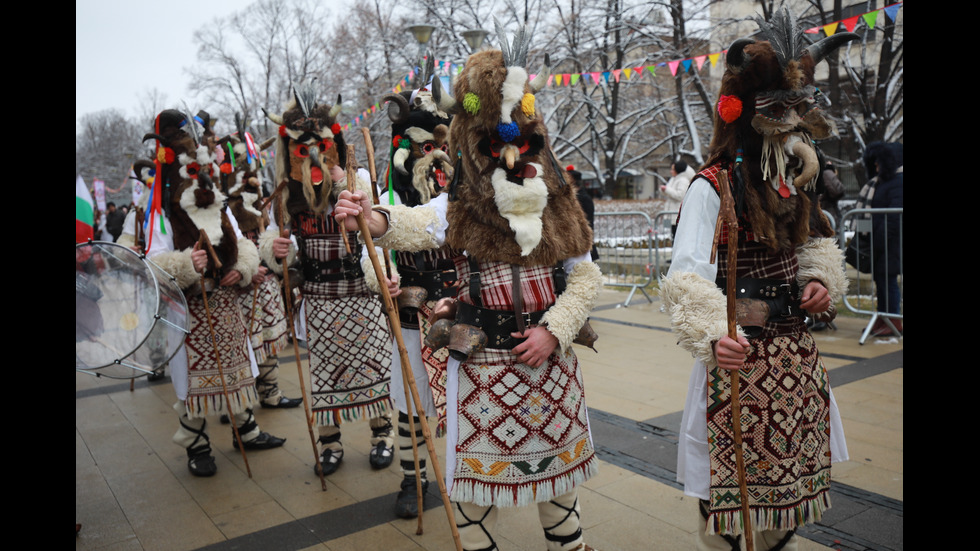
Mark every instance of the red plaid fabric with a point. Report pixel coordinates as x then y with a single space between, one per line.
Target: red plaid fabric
537 285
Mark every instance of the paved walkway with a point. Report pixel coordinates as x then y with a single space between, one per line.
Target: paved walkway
133 490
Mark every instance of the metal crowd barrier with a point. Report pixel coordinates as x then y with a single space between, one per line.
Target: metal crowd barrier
624 241
861 297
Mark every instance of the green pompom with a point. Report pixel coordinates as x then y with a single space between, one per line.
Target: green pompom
471 103
404 143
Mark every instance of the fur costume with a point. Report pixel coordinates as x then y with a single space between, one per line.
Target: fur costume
348 337
790 425
510 207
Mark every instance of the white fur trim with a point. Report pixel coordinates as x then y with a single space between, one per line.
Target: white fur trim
568 314
698 313
821 259
208 218
522 206
370 277
511 92
408 228
179 265
126 240
249 199
265 252
419 134
248 261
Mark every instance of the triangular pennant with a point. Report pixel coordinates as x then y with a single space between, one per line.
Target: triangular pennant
558 80
595 77
713 58
627 71
812 30
411 74
850 23
652 70
687 65
700 61
892 11
566 78
830 29
605 75
870 18
575 77
673 67
616 73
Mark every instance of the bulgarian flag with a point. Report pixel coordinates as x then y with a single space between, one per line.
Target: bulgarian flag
84 214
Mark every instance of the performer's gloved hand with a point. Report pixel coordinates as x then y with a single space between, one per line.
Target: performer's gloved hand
231 278
280 247
730 354
815 298
199 258
259 276
539 345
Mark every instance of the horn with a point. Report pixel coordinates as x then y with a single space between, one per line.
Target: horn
139 165
736 59
819 50
443 101
273 117
541 79
335 110
152 136
224 140
810 164
267 144
398 108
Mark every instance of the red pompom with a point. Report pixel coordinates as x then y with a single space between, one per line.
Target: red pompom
729 108
335 129
569 168
395 141
226 168
282 130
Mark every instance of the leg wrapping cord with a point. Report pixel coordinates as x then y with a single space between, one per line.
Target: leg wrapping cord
405 456
381 430
267 383
247 427
330 437
473 522
191 433
561 520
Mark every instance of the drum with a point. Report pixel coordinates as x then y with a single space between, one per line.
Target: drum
130 315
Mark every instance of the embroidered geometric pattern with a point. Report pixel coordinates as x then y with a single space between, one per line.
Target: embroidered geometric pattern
268 321
204 394
435 367
350 357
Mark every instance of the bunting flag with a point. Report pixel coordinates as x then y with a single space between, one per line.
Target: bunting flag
84 213
687 65
713 58
850 23
700 61
870 19
673 66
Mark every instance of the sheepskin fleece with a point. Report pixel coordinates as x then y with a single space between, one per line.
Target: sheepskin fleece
568 314
698 315
822 260
179 265
371 277
248 261
406 228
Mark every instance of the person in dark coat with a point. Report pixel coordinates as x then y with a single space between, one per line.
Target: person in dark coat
883 162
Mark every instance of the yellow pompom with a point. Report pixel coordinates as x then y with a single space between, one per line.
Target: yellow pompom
527 104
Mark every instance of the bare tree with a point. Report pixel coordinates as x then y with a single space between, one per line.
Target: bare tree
106 148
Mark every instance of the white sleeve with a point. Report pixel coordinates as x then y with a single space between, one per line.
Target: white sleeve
695 231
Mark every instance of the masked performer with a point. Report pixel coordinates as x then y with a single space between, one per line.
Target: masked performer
788 264
185 168
418 170
242 183
348 335
518 432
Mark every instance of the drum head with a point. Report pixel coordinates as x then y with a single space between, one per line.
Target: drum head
130 315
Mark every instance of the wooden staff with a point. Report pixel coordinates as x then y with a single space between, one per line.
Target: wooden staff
728 219
205 244
374 195
403 354
307 410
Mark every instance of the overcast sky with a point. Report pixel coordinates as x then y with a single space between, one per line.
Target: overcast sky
124 48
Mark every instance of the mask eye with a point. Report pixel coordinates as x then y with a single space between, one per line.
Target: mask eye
428 147
192 170
325 144
445 148
301 151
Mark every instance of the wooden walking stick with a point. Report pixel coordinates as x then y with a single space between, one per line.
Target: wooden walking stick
369 146
403 355
728 219
205 244
307 408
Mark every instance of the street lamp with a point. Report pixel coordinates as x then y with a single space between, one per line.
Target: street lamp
474 38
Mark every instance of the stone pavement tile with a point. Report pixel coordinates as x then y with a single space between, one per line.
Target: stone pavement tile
595 398
104 524
864 453
380 537
865 437
879 526
871 478
245 519
659 501
300 493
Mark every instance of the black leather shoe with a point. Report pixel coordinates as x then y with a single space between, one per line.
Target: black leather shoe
285 403
381 456
264 441
201 463
224 419
329 462
407 503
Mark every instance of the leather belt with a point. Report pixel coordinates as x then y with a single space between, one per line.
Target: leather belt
497 324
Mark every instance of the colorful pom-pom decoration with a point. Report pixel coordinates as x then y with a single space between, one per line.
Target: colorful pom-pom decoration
226 168
404 143
471 102
527 104
282 130
569 168
165 155
335 129
729 108
508 132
